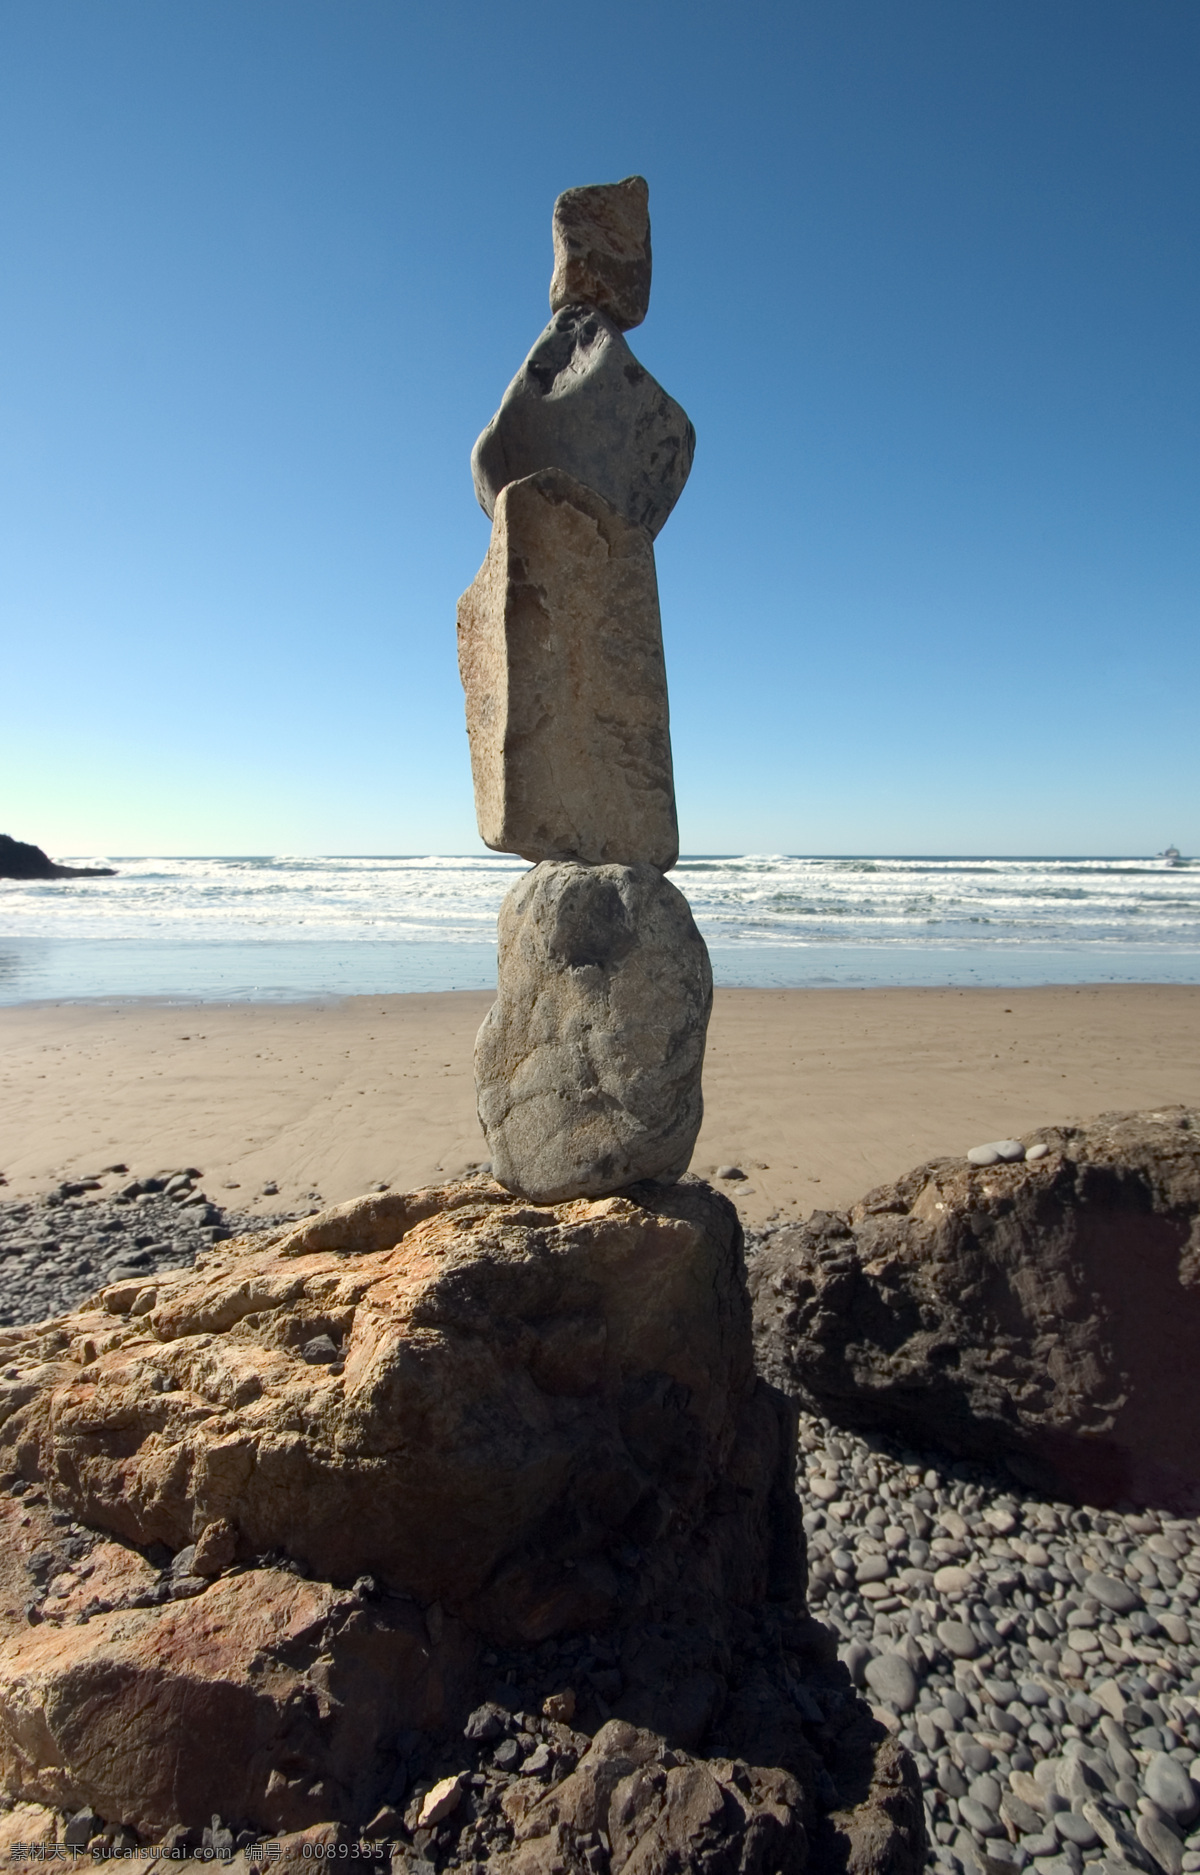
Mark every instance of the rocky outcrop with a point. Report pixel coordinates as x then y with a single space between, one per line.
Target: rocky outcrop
19 860
396 1508
525 1415
588 1064
560 651
1044 1312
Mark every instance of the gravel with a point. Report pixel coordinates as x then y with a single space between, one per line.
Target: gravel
1054 1651
59 1249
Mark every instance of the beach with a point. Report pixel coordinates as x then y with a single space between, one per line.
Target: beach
816 1095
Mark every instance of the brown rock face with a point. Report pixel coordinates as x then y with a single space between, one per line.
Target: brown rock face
543 1433
524 1396
560 652
1045 1312
588 1063
265 1698
602 250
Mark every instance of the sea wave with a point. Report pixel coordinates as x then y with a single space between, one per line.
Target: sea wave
754 899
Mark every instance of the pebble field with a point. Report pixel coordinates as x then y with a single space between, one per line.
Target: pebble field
1039 1660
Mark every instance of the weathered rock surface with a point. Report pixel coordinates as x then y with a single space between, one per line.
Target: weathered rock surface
560 652
522 1399
20 860
602 250
548 1416
588 1064
581 402
1046 1312
297 1690
659 1815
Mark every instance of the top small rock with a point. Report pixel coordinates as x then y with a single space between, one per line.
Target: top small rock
602 250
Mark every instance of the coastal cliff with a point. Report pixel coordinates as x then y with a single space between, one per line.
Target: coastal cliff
19 860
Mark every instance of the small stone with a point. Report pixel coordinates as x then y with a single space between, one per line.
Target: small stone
1022 1815
958 1639
951 1580
1027 1790
1110 1696
82 1827
977 1817
485 1723
507 1756
559 1706
1168 1785
1037 1151
872 1569
985 1790
602 250
1162 1842
950 1779
215 1548
983 1155
892 1679
729 1171
588 1065
539 1761
1076 1828
441 1801
855 1656
1110 1593
319 1351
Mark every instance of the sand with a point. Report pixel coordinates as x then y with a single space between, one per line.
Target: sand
815 1094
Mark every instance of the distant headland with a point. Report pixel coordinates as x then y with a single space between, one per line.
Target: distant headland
19 860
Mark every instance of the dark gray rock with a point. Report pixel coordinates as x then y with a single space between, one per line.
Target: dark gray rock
1113 1594
20 860
582 402
1042 1313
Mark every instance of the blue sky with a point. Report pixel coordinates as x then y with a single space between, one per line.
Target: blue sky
926 280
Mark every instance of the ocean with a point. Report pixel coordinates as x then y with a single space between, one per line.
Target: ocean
284 928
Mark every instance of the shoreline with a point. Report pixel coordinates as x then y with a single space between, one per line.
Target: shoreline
817 1095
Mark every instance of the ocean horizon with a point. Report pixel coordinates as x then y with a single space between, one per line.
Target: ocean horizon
282 928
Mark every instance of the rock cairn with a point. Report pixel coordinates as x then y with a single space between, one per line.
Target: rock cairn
588 1066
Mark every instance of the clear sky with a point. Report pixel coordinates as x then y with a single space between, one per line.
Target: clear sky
926 280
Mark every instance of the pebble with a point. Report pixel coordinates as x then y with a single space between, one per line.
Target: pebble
891 1678
57 1250
958 1639
1167 1784
1039 1637
997 1151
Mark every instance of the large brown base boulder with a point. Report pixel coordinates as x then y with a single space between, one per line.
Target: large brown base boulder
391 1515
1044 1312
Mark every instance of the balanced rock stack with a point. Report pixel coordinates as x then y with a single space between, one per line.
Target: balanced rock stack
588 1065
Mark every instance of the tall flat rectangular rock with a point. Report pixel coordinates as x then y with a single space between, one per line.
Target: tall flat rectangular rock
560 653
